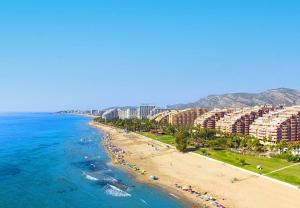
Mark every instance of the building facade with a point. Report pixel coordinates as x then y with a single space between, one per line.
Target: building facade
110 115
156 111
239 121
208 120
186 116
144 111
281 124
127 113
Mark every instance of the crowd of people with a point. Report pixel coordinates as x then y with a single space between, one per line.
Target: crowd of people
118 155
205 196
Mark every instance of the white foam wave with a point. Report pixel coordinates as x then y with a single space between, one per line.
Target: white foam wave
107 171
142 200
89 177
109 179
116 192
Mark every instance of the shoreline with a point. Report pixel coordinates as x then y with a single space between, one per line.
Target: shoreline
169 191
141 179
174 193
202 174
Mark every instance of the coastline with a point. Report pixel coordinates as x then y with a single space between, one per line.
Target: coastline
203 175
142 179
170 190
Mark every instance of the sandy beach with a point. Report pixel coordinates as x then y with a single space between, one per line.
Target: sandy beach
230 186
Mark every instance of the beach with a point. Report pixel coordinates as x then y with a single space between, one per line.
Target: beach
205 182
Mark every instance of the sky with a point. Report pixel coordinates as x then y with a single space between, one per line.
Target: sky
64 54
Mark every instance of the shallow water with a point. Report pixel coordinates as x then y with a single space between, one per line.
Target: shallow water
49 160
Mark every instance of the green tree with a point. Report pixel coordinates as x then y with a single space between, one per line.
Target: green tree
281 145
233 142
181 141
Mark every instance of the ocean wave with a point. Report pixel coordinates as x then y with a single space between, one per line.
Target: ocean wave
109 179
142 200
116 192
89 177
107 171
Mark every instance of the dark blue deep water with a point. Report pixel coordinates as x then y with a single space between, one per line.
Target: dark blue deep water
55 161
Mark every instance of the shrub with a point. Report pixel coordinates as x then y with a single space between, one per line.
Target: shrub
288 156
204 151
242 161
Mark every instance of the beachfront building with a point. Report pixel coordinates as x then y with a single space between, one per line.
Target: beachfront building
122 113
96 112
156 111
281 124
186 116
110 115
100 112
163 117
239 121
144 111
127 113
208 120
179 117
132 113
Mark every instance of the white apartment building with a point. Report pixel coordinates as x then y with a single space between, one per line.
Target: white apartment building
127 113
110 114
144 111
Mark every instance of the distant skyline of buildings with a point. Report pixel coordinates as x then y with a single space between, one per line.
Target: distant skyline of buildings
140 112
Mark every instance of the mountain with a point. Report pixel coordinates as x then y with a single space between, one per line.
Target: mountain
280 96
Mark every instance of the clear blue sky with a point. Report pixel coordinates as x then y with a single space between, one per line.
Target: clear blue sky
91 54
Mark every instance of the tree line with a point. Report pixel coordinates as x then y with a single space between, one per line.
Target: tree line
196 137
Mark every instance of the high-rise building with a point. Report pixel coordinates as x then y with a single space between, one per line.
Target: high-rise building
144 111
163 117
240 120
186 116
96 112
208 120
156 111
110 114
132 113
277 125
127 113
122 113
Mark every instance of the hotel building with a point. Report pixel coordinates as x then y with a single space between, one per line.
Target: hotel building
239 121
127 113
278 125
208 120
144 111
110 114
186 116
156 111
163 117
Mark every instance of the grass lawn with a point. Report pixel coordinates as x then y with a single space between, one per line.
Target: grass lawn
289 175
168 139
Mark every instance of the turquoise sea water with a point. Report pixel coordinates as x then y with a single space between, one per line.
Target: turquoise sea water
54 161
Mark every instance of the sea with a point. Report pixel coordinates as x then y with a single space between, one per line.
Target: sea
57 161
